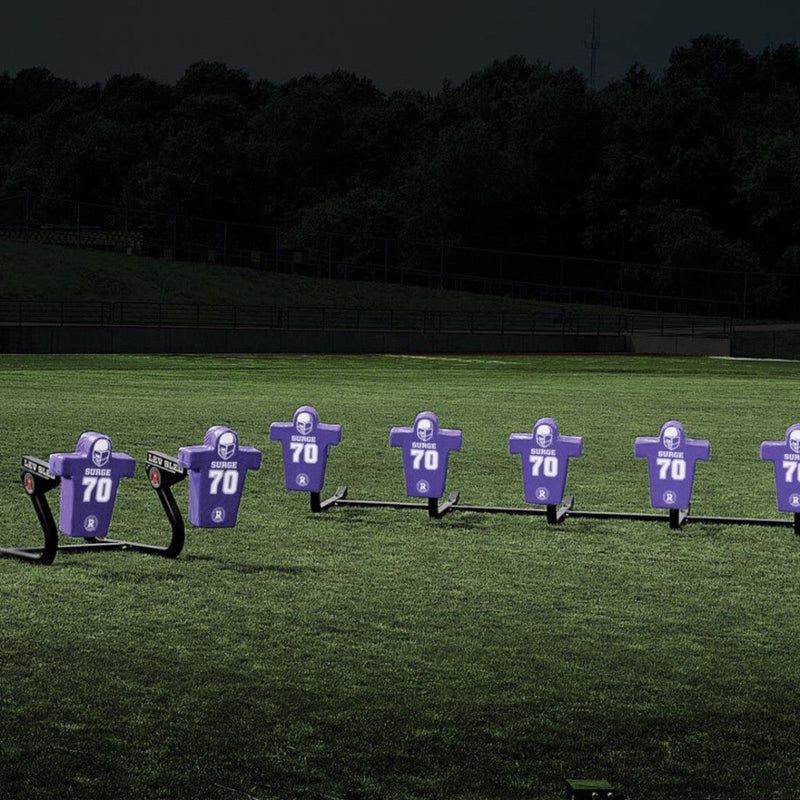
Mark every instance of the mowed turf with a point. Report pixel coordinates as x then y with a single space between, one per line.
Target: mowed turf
376 653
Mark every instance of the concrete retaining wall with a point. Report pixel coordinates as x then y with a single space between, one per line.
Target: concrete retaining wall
80 339
680 345
767 341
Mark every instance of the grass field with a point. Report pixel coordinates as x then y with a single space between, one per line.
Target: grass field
375 653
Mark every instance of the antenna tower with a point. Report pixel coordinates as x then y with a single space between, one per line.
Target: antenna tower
593 45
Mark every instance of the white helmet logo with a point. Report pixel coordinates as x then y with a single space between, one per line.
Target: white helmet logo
794 440
101 452
226 446
672 438
304 423
544 436
425 430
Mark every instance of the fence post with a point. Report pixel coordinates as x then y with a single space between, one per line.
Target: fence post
744 296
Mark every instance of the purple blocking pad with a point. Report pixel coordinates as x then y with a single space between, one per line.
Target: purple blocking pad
89 480
426 448
785 455
545 458
671 464
217 469
306 445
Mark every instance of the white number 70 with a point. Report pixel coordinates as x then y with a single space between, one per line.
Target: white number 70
425 458
102 486
228 477
307 450
676 467
550 464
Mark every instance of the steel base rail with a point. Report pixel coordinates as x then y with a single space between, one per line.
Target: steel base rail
557 514
163 472
676 518
554 514
435 509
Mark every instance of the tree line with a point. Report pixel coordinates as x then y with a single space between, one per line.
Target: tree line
697 168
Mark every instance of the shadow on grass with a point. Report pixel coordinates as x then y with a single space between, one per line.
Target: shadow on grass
259 569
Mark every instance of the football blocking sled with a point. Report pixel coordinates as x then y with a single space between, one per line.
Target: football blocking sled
307 443
785 455
89 479
671 459
545 459
217 471
426 451
545 455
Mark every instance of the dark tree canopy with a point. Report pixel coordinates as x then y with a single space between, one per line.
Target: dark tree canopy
699 166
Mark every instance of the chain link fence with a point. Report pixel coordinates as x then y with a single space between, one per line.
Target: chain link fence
549 278
20 313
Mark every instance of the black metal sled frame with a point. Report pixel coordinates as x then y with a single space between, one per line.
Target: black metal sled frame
555 514
766 523
435 508
163 472
677 517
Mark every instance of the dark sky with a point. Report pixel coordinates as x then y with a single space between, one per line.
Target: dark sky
405 44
